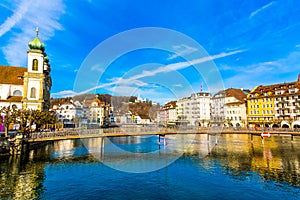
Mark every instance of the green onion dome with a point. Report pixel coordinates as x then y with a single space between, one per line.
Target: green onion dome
36 43
46 59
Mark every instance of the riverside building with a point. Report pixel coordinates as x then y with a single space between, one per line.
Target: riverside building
194 110
275 105
228 108
29 87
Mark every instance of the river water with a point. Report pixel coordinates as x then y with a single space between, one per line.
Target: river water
178 167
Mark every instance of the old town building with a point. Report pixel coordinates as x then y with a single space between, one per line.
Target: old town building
228 108
29 87
275 105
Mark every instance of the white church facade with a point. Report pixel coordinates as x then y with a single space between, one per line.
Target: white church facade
27 88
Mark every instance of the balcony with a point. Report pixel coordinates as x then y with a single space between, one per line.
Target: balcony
285 108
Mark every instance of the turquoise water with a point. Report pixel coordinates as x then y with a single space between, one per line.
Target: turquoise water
234 168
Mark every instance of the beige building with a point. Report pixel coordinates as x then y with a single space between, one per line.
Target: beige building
228 108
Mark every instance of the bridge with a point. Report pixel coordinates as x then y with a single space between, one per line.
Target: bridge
33 140
143 131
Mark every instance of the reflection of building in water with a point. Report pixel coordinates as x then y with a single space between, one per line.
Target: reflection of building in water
64 145
21 182
276 159
95 146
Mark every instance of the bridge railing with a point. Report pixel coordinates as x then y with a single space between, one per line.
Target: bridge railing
147 130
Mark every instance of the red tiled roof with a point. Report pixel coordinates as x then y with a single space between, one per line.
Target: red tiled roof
260 90
237 93
12 99
9 75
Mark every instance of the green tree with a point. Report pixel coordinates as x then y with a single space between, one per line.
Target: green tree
10 114
23 117
77 120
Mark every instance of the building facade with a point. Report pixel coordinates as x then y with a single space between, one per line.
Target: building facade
275 105
228 108
28 88
194 110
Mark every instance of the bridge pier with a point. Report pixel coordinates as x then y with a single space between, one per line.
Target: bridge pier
162 135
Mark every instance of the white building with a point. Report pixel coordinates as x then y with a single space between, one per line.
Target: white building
68 111
96 112
142 119
194 110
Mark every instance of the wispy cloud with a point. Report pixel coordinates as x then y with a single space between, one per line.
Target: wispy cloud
21 25
263 72
97 68
131 84
182 50
160 70
64 93
261 9
283 65
177 85
18 14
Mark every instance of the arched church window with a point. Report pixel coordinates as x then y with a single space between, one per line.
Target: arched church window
17 93
35 65
32 92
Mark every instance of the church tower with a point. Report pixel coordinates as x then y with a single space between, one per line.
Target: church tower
37 79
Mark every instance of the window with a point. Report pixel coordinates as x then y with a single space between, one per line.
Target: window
35 65
32 92
17 93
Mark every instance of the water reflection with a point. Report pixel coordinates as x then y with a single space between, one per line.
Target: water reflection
19 180
276 159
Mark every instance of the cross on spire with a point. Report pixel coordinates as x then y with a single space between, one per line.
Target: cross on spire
37 31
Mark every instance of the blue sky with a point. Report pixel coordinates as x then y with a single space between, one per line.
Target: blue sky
236 43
